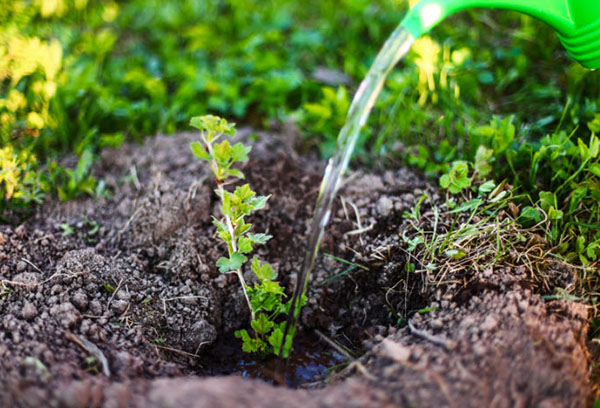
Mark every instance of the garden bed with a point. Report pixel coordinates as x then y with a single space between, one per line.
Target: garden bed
117 302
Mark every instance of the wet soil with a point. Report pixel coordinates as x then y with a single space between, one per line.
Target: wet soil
116 302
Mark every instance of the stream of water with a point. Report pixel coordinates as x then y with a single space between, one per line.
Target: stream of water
395 47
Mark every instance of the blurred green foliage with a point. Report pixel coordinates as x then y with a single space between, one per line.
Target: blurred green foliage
80 75
493 91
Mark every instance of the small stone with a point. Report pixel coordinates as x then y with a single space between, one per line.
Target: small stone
384 206
29 311
80 300
523 305
436 323
119 306
21 266
123 295
96 308
201 335
66 314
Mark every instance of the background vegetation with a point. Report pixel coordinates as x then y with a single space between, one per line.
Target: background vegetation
488 96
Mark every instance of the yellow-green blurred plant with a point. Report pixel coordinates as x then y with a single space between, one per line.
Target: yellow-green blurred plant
19 182
435 65
29 69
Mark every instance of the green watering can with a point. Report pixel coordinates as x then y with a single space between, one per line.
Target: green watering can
577 22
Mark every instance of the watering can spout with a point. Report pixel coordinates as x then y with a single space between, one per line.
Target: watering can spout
576 22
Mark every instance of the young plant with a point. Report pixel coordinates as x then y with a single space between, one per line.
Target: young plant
265 298
457 178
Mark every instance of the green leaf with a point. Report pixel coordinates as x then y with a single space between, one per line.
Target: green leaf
255 266
456 179
83 165
244 192
198 122
275 340
262 325
412 242
235 173
594 125
259 238
263 271
482 158
584 151
547 200
245 245
456 253
213 124
272 287
231 264
498 192
239 152
580 244
317 110
222 152
241 228
259 202
555 214
594 146
220 225
459 184
486 187
594 168
577 196
427 309
498 197
263 300
592 250
530 215
248 344
225 236
199 151
445 181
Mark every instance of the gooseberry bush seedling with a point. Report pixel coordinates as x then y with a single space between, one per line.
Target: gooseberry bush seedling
265 298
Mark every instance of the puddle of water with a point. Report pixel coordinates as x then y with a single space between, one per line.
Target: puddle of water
301 367
308 363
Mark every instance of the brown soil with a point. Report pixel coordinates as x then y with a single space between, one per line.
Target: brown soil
116 302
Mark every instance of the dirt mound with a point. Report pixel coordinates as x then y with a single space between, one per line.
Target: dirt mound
117 302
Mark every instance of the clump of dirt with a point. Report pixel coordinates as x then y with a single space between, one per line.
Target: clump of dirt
116 302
